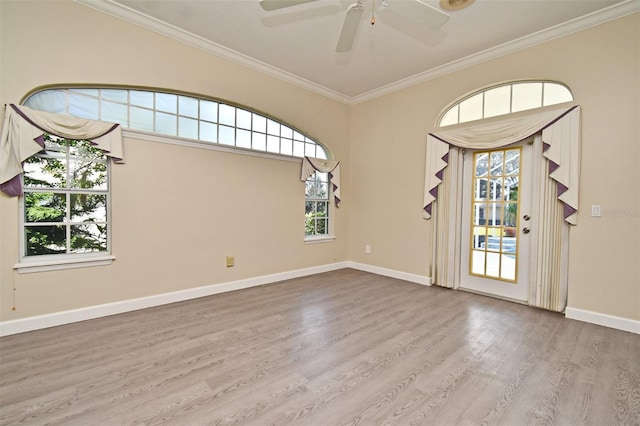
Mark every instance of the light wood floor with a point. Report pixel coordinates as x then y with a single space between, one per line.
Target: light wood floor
340 348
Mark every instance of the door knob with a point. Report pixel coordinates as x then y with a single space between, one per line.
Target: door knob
526 217
526 230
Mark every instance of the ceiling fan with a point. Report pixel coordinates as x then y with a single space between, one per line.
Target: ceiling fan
415 10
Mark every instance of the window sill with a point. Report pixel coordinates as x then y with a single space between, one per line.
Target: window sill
319 239
35 265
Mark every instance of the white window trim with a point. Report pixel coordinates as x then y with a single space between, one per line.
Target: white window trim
47 263
313 239
57 262
193 143
320 151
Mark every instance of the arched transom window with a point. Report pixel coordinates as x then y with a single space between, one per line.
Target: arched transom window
505 99
177 115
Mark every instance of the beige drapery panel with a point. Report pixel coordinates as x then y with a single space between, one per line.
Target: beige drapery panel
549 253
560 137
311 165
23 136
446 230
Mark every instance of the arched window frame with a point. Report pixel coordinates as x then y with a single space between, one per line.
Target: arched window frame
237 127
255 133
523 95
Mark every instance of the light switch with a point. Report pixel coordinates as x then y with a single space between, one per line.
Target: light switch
595 210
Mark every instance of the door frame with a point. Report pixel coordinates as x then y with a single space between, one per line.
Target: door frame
518 291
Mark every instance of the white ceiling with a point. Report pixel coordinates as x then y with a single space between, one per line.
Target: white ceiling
297 43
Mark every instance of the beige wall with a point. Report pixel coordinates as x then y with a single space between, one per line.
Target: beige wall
207 199
601 66
177 211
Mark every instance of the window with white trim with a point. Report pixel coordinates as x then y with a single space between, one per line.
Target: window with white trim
66 200
208 121
505 99
316 212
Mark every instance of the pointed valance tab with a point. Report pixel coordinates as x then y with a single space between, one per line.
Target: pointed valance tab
562 149
310 165
22 137
437 160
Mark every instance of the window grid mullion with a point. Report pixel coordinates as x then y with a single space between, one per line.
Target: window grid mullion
153 124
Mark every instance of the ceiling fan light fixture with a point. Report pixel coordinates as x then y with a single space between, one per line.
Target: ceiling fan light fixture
453 5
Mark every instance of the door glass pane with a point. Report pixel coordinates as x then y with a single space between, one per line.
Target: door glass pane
493 264
479 237
480 189
496 163
477 262
512 162
508 268
494 217
495 189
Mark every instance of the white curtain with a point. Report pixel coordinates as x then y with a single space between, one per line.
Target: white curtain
446 227
559 131
23 136
310 165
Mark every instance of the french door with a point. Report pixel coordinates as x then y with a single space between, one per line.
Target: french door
496 221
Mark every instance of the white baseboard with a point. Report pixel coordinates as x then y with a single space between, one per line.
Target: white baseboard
414 278
91 312
619 323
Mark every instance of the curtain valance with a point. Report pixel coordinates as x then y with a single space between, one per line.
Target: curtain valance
23 136
560 134
311 165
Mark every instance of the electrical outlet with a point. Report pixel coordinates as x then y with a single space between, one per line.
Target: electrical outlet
230 261
367 248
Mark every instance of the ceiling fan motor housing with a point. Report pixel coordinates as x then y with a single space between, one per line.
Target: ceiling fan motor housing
453 5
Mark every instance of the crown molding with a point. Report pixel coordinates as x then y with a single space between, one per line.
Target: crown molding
596 18
130 15
138 18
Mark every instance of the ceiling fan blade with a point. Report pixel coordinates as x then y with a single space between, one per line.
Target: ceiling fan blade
350 28
419 12
280 4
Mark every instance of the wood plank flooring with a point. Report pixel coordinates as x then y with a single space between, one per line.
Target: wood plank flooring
339 348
